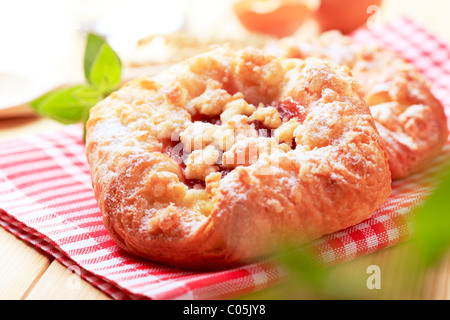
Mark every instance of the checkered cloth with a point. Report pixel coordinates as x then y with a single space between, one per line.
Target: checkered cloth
46 199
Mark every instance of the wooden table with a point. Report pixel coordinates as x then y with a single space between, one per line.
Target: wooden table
28 273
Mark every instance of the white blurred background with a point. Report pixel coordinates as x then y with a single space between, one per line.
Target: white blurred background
42 41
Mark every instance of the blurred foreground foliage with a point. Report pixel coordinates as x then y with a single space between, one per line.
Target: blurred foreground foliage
401 276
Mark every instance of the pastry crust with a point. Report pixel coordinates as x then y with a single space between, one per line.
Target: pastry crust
310 164
410 119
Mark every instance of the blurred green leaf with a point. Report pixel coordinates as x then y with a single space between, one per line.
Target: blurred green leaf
432 222
318 281
302 266
67 105
102 66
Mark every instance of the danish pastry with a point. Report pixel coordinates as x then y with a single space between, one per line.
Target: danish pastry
212 162
409 118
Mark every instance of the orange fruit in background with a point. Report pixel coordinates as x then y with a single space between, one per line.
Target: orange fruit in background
278 18
345 16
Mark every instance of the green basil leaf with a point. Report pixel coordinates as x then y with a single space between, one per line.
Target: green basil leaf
93 46
67 105
102 66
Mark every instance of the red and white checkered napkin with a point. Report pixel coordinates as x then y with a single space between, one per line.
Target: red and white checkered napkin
47 199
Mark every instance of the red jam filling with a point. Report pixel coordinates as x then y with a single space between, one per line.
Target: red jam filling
289 109
174 150
206 119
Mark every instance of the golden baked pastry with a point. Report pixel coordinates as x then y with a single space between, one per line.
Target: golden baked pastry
212 162
409 118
